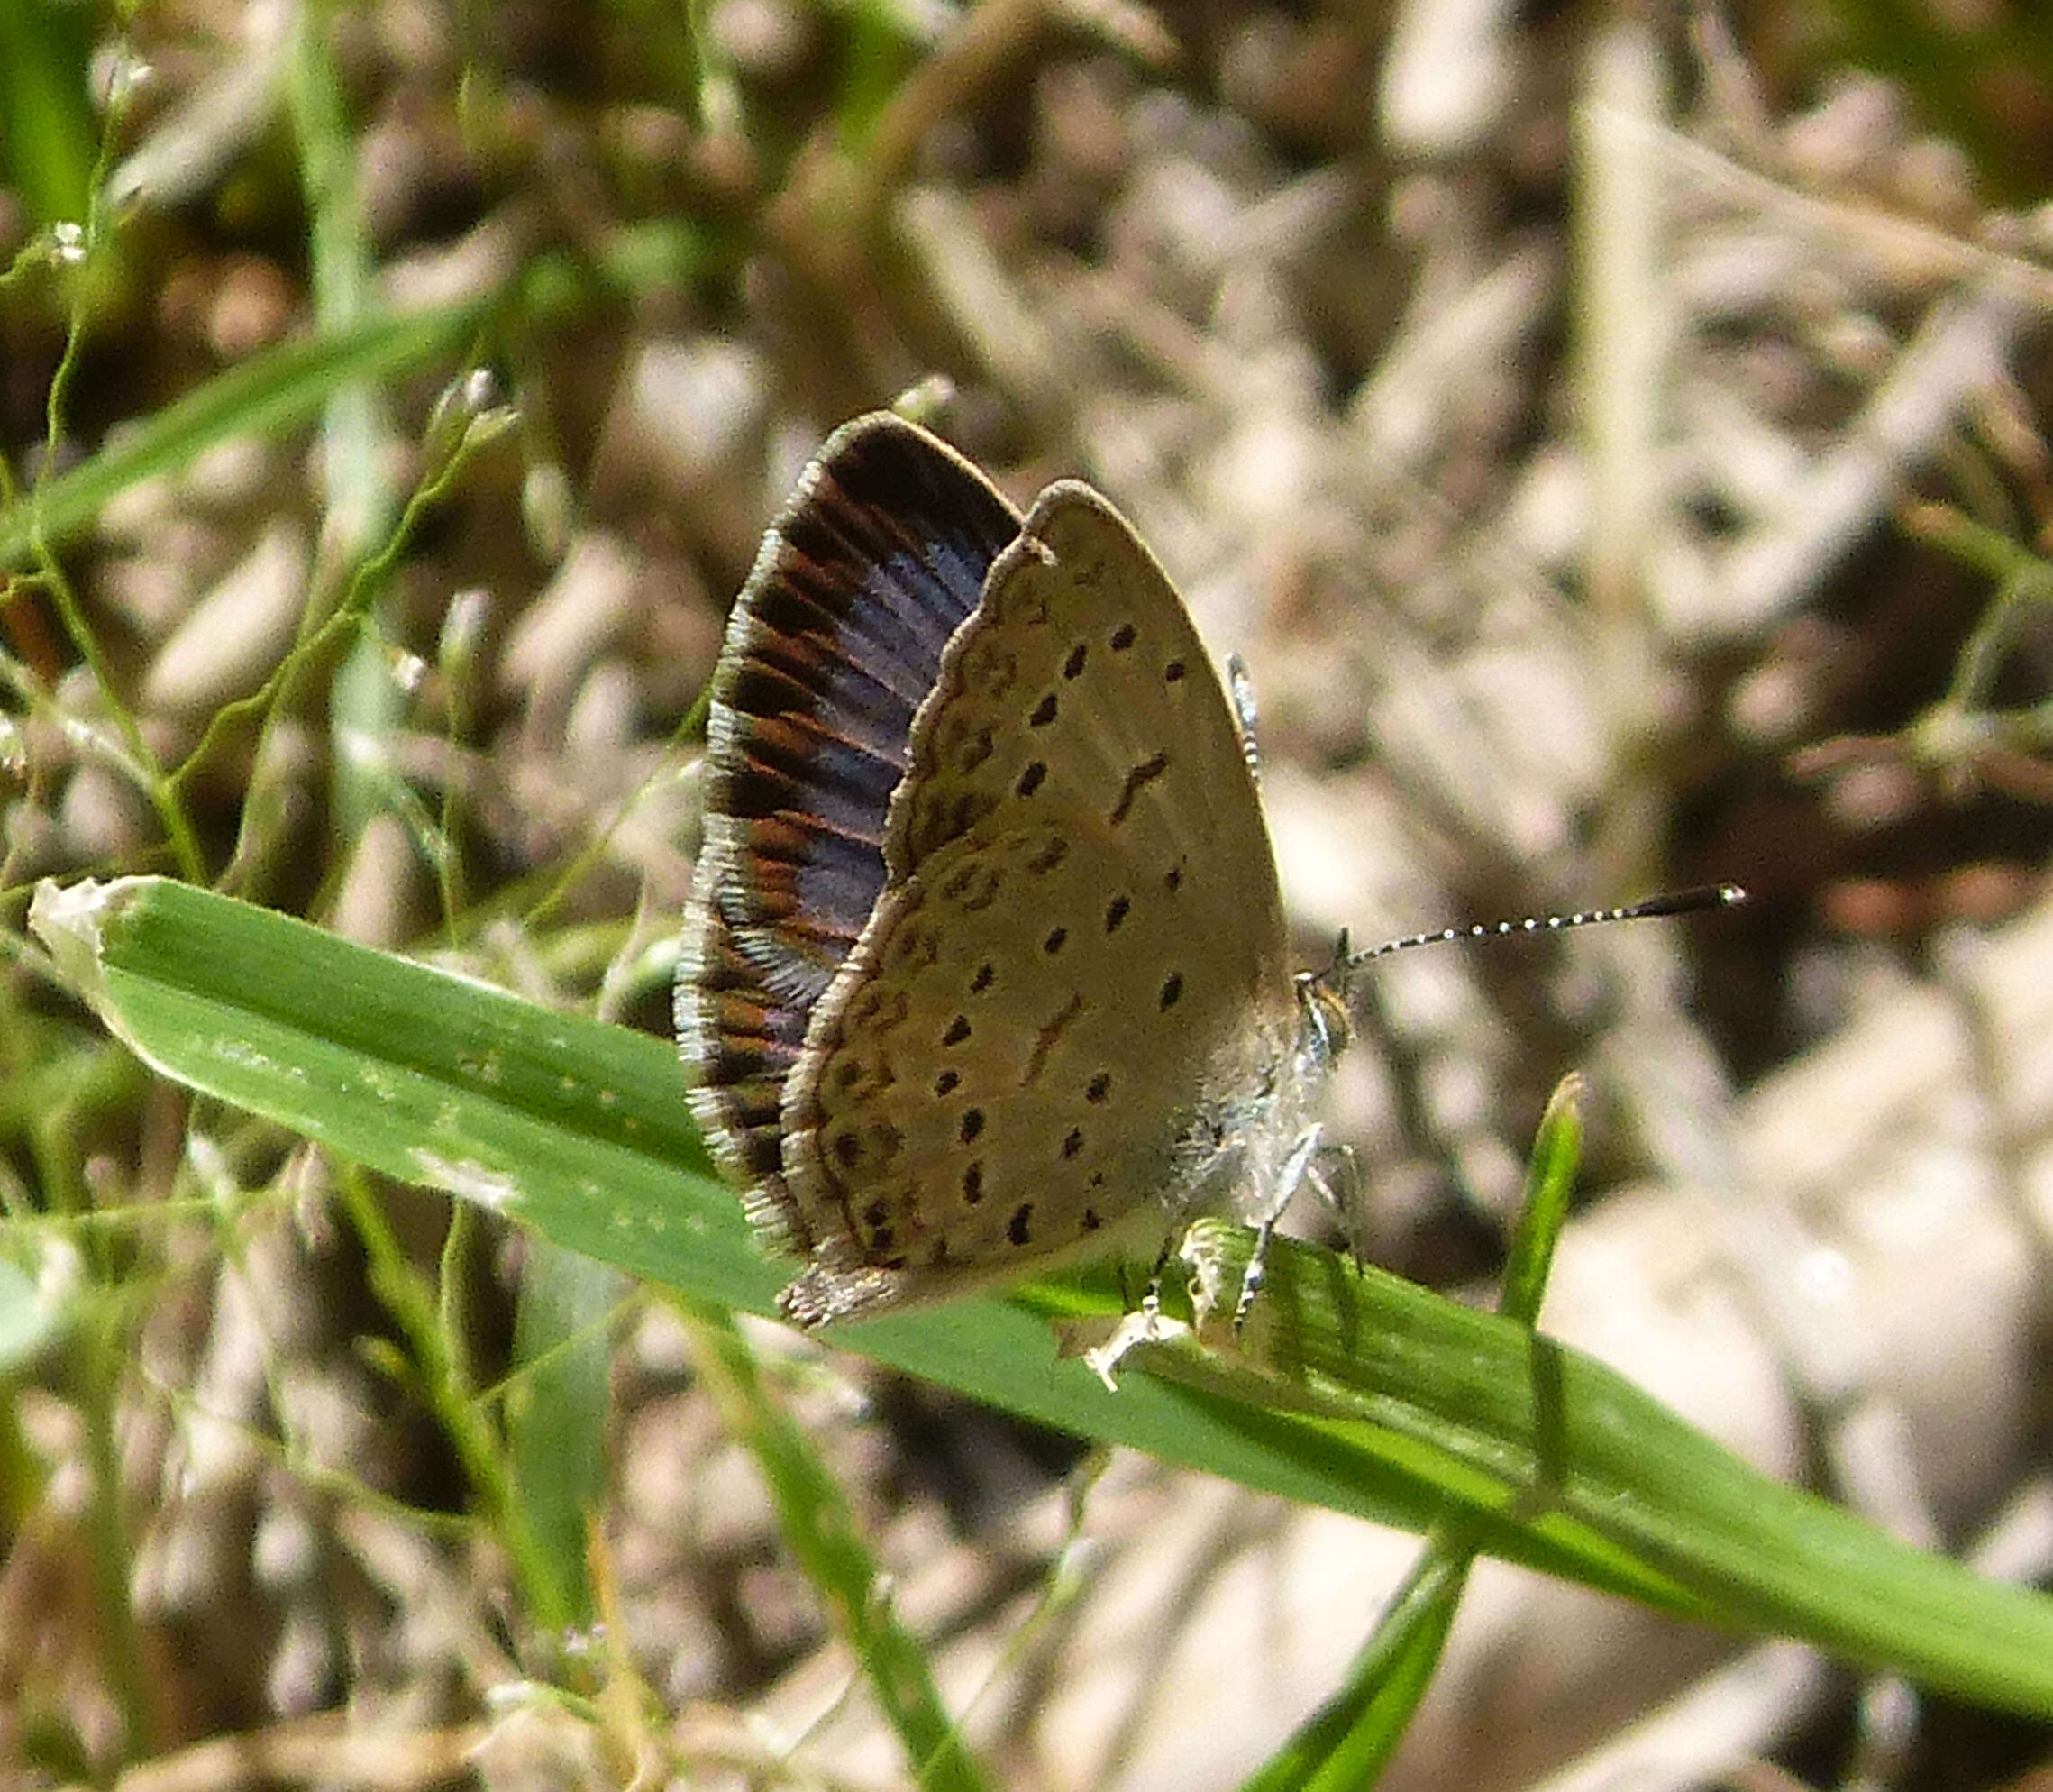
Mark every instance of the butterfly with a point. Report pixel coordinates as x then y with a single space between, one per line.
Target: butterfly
985 965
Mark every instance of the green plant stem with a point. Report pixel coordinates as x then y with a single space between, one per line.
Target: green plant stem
822 1533
414 1309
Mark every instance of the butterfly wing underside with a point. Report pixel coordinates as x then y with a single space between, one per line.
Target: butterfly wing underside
1079 932
833 643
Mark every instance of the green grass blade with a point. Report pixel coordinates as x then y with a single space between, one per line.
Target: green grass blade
1550 1184
1354 1390
1346 1742
270 392
1569 1442
48 139
822 1533
1349 1740
556 1408
581 1131
290 385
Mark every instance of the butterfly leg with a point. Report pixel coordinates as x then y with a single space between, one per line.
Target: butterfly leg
1295 1167
1151 1302
1335 1174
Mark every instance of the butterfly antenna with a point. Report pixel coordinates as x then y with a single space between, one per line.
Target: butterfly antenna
1671 902
1240 689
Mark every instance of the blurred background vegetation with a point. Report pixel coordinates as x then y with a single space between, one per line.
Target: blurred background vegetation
1614 438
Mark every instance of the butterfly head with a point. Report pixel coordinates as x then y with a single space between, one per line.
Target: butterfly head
1323 996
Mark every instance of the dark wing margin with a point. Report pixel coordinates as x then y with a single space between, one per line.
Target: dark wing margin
833 642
